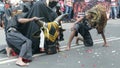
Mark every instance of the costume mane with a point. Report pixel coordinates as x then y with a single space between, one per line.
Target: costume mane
99 17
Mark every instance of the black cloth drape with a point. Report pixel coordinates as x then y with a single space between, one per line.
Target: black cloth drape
39 9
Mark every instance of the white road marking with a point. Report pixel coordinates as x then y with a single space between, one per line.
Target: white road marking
109 40
4 59
94 41
63 49
14 59
7 61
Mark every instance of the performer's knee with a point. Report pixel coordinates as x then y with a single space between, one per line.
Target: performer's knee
29 41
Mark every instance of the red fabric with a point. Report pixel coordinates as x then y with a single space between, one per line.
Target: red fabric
13 53
26 60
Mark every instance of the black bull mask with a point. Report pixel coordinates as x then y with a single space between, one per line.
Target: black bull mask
50 29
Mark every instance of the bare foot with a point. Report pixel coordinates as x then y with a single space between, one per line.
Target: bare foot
58 49
42 49
67 48
77 40
105 46
21 63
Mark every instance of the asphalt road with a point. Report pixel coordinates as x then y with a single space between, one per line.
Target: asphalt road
79 56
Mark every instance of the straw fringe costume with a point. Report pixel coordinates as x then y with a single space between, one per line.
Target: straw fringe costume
98 20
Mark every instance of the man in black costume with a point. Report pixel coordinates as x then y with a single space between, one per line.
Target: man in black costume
39 9
16 40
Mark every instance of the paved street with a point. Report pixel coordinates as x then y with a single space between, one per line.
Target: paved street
79 56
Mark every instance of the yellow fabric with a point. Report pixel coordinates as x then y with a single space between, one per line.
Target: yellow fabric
49 36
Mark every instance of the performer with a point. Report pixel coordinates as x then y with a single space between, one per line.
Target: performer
17 41
90 21
2 10
15 38
39 9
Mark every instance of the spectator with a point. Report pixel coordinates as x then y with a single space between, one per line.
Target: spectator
2 10
69 8
114 12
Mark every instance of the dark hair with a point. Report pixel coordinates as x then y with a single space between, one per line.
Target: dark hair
27 6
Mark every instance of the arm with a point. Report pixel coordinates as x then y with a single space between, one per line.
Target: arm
70 39
79 19
26 20
104 39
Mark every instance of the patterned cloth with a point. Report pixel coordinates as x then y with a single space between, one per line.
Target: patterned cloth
51 33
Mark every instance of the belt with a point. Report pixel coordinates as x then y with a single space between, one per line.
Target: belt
11 29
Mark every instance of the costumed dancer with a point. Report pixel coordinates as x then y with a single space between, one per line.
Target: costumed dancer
94 18
39 9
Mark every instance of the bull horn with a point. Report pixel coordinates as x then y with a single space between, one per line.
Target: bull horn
39 22
60 17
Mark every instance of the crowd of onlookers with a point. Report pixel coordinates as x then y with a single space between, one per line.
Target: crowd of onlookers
76 8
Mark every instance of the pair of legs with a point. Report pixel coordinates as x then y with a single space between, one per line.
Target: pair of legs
69 11
78 38
2 23
86 36
113 12
21 45
84 31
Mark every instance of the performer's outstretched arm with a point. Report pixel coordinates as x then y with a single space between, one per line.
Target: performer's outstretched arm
25 20
104 39
78 20
72 33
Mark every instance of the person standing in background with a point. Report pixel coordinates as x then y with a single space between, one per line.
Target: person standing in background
119 8
2 9
114 9
62 8
68 8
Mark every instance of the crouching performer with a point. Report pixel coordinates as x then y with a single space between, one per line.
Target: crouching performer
49 33
94 18
16 40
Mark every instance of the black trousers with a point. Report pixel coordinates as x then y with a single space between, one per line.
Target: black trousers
83 29
20 44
